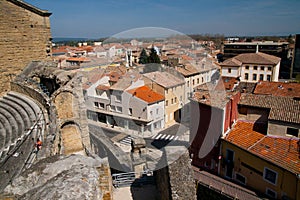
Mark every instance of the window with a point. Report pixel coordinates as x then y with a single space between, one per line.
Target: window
255 67
157 111
262 68
193 81
197 80
271 193
292 131
175 99
188 83
269 68
118 98
229 70
269 77
240 178
167 102
151 113
113 108
130 111
254 77
270 175
101 105
261 77
96 104
246 76
247 67
172 101
202 79
99 92
119 109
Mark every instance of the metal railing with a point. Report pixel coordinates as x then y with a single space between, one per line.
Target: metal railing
132 179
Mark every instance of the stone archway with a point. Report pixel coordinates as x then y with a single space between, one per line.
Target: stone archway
71 141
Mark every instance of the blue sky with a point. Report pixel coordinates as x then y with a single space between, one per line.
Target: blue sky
104 18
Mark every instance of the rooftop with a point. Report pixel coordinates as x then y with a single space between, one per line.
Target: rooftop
146 94
278 89
125 81
252 58
285 109
281 151
165 79
93 76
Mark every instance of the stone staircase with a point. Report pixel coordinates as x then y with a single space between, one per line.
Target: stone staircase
19 117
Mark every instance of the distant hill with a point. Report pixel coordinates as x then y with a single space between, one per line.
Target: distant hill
61 39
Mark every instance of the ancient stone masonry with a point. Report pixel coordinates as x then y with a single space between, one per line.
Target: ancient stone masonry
63 177
176 181
63 94
24 36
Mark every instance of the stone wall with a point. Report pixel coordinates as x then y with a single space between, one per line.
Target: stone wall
24 36
176 181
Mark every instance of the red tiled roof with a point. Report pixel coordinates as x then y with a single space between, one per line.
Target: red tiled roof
258 58
285 109
226 83
102 87
282 151
146 94
278 89
185 57
187 70
79 59
243 135
252 58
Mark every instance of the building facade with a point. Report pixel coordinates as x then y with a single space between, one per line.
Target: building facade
252 67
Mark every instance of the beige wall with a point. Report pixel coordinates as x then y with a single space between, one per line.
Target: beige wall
280 129
24 36
286 181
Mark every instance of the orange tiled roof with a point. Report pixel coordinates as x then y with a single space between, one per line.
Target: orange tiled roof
102 87
146 94
226 83
78 59
243 135
282 151
278 89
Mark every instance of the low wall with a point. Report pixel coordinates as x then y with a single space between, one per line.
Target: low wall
176 181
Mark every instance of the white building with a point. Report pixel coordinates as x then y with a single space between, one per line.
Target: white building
252 67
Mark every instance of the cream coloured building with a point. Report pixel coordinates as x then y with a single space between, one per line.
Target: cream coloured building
173 89
252 67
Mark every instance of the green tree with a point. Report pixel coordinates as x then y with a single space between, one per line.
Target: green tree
153 57
143 57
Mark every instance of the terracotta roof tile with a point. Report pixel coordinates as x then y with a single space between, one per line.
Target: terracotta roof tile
285 109
251 58
226 83
146 94
165 79
102 87
281 151
278 89
243 135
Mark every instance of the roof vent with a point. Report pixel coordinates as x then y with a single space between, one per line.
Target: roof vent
280 87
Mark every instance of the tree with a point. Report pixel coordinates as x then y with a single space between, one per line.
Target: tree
153 57
143 57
